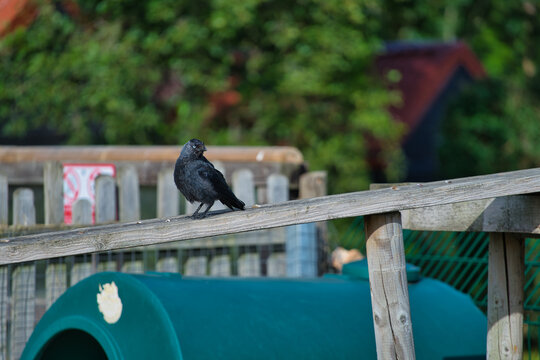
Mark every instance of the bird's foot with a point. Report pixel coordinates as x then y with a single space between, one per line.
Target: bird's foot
198 216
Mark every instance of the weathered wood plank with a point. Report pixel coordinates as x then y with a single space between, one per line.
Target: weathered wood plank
243 186
168 200
24 212
277 189
82 212
53 190
388 283
55 282
196 266
249 265
3 201
505 296
220 265
155 231
129 203
4 302
105 199
23 286
313 184
24 165
517 214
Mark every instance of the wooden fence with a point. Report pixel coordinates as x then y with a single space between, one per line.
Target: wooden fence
27 290
493 203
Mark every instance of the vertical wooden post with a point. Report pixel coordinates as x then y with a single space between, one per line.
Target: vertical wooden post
3 200
23 287
128 194
505 296
277 188
388 283
53 192
168 203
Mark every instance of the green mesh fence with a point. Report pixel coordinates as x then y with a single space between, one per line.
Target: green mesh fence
460 259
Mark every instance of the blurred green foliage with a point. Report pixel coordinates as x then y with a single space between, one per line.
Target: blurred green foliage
289 72
154 72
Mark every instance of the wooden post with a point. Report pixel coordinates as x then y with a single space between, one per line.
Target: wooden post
23 287
105 199
82 214
505 296
388 283
53 192
3 201
277 188
168 201
128 196
312 184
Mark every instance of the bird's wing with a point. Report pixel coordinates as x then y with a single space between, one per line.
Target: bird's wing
216 178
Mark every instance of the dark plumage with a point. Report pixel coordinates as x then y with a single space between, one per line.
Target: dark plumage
198 180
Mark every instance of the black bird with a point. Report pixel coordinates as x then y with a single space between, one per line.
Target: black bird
198 180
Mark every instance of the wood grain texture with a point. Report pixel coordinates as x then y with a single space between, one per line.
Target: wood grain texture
4 203
388 283
155 231
517 214
53 192
105 199
505 297
129 203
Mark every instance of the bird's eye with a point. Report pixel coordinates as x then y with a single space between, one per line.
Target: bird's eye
193 146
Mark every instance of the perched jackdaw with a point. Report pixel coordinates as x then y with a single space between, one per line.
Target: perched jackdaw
198 180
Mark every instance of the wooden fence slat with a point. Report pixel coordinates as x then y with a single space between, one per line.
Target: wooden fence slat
82 212
220 265
53 192
80 271
168 200
506 269
128 194
388 283
55 282
276 265
23 279
277 188
196 266
243 186
56 272
4 270
4 200
249 265
312 184
4 303
24 212
167 264
105 199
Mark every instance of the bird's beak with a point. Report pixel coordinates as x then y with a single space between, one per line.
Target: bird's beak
203 148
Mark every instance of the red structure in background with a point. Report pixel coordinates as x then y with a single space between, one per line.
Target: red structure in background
16 13
425 70
430 73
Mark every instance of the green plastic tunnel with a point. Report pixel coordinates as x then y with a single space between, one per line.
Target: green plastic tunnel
167 316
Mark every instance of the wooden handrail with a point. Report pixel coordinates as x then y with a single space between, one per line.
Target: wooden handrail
156 231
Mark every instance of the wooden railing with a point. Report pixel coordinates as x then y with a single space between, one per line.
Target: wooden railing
494 203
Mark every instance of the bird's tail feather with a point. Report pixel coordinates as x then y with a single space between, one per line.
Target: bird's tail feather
230 200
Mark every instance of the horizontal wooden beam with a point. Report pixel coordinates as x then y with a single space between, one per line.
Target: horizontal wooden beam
156 231
512 214
23 165
18 154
